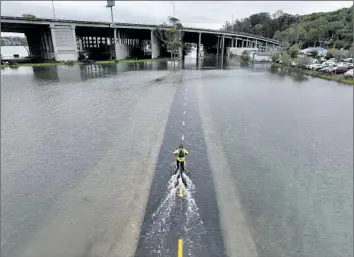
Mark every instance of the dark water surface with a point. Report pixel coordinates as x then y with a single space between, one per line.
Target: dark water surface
288 139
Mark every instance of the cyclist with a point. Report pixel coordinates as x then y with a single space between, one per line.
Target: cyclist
180 154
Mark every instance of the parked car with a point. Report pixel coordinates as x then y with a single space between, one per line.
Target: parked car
349 73
327 68
348 65
317 68
331 69
340 70
322 69
314 66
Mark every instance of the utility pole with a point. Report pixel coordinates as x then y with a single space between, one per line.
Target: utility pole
174 11
53 9
232 24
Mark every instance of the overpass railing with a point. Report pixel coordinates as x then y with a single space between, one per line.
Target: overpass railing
148 26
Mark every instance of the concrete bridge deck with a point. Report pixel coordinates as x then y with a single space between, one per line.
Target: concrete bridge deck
63 39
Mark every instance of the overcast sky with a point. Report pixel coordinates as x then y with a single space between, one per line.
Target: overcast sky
209 14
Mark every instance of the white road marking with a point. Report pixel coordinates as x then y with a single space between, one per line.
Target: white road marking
185 103
182 137
183 123
184 112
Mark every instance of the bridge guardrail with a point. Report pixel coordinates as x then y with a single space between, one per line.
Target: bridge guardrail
221 32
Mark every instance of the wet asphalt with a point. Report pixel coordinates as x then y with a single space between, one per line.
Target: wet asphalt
200 229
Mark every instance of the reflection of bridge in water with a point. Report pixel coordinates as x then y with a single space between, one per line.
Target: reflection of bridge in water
76 73
62 39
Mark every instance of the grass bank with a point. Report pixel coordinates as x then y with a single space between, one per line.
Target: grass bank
69 63
332 77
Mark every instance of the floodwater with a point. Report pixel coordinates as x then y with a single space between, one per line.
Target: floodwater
86 161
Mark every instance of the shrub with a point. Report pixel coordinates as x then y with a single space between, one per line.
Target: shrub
70 63
302 61
28 16
275 57
314 53
245 57
294 51
285 58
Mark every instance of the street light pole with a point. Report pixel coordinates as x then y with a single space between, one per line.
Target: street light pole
174 13
53 9
112 15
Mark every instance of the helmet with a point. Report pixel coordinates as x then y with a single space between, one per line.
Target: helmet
181 146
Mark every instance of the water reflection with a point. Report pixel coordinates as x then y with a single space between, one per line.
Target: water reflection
295 75
46 73
78 73
96 71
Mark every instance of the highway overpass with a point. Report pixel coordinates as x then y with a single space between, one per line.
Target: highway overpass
61 40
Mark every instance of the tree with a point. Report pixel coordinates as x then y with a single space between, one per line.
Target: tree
328 29
277 14
302 61
314 53
300 36
245 58
28 16
330 54
294 51
312 36
339 54
171 35
275 57
285 58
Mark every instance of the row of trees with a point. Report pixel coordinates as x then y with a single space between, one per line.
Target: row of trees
332 29
262 24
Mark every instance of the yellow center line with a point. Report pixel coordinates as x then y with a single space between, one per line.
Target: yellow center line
180 191
180 248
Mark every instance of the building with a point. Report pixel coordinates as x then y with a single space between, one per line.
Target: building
320 50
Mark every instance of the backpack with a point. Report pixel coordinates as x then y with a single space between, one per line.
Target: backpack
181 153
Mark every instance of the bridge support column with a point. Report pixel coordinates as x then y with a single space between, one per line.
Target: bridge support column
198 46
122 47
116 44
155 47
64 42
222 46
55 50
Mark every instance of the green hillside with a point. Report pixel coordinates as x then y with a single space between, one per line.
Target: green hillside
330 29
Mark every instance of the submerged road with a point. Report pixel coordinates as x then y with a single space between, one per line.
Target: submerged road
86 162
193 218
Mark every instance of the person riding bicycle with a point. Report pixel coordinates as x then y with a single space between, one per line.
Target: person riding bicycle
180 154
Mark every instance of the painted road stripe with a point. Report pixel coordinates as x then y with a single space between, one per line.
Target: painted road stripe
184 112
182 137
183 123
185 103
180 248
180 191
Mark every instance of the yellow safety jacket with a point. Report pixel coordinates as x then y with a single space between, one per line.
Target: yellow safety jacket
180 159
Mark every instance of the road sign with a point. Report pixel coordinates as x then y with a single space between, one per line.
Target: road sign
110 3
